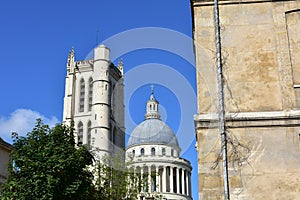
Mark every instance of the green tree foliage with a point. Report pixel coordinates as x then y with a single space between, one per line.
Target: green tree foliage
117 180
46 165
114 179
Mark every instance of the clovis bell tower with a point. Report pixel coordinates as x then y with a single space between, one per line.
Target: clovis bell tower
94 102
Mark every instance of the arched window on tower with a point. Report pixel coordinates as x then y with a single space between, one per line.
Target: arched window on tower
152 151
81 96
80 134
133 153
89 134
163 151
142 151
90 93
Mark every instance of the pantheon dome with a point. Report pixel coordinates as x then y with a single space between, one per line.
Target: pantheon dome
153 150
153 131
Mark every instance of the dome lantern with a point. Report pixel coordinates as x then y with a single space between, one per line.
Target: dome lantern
152 107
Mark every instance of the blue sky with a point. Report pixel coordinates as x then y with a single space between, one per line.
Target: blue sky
152 37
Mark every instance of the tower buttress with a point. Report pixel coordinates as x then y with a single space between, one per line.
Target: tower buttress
101 101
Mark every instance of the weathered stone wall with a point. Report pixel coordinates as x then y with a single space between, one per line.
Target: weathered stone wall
261 55
5 150
256 41
263 154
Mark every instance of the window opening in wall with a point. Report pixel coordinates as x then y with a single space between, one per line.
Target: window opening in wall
138 171
152 151
80 134
172 152
90 93
184 182
168 179
112 98
153 179
89 134
81 96
133 152
175 180
142 152
145 179
163 151
180 181
160 172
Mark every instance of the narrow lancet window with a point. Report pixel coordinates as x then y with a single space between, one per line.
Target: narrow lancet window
81 97
89 134
90 94
80 134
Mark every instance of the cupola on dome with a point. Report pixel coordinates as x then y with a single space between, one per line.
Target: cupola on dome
152 130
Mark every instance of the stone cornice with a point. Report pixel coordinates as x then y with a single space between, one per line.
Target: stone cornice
250 119
161 161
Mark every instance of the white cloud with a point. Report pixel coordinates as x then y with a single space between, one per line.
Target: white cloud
22 121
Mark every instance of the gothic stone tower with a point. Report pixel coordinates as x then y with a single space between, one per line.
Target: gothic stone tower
94 96
261 53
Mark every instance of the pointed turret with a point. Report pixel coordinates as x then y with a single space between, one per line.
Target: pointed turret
71 61
120 66
69 89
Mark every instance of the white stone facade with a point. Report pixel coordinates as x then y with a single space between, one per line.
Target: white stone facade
94 101
154 153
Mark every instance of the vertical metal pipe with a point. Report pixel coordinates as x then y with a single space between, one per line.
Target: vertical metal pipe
222 125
